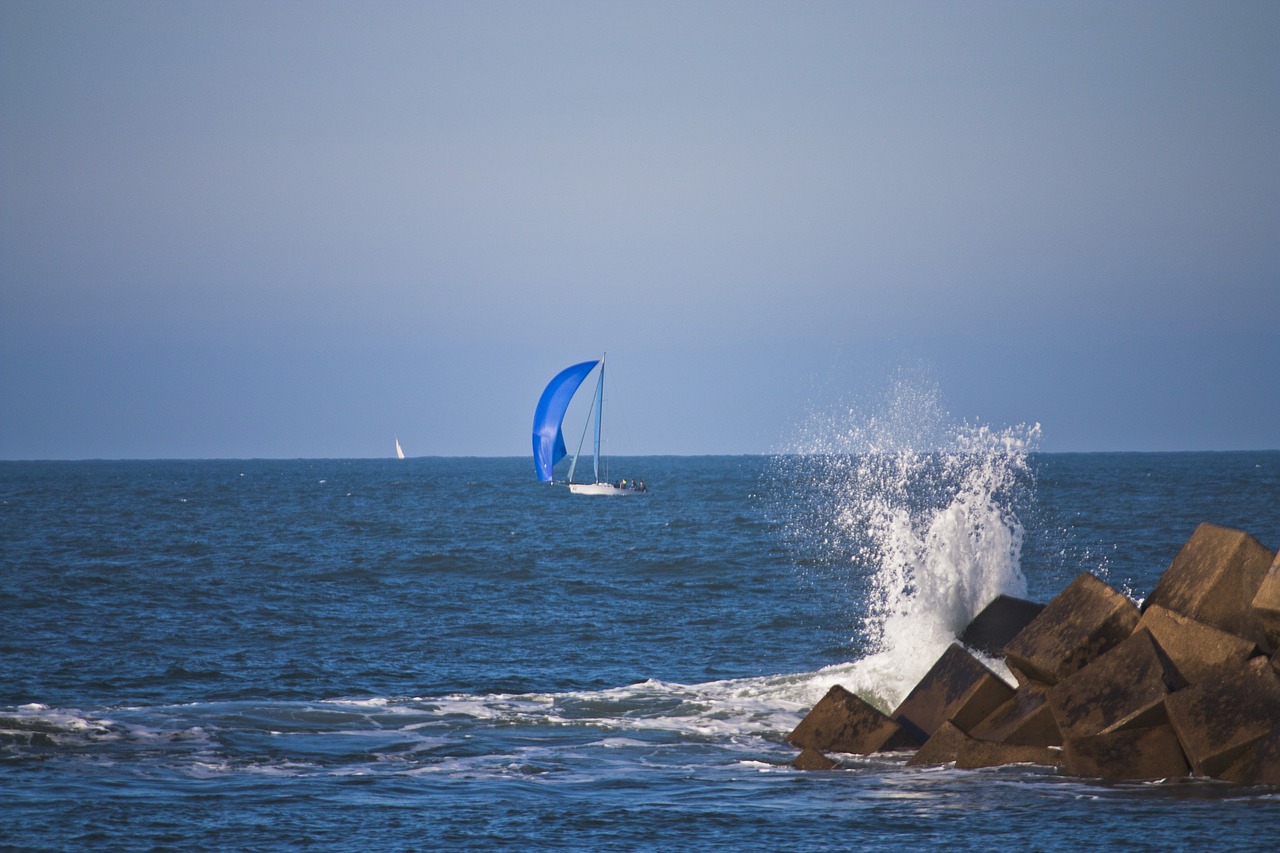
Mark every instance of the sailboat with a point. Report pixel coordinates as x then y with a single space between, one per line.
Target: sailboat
399 452
548 440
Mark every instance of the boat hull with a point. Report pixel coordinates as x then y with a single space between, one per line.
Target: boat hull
601 489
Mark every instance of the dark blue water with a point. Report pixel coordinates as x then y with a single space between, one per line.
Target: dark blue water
357 654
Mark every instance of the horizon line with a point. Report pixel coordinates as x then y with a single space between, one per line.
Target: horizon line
613 456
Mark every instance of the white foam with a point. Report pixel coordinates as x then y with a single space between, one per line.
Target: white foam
925 510
61 725
741 710
373 702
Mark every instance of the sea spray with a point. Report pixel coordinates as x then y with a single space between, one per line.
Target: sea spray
914 517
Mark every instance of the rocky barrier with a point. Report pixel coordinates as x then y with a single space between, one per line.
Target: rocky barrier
1188 685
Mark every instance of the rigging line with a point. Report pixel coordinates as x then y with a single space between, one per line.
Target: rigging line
585 425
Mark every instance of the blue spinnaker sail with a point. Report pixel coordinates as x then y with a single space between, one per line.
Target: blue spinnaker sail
548 442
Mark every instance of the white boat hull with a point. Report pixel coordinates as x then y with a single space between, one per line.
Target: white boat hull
601 489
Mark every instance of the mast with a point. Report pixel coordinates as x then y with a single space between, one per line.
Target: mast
598 403
599 416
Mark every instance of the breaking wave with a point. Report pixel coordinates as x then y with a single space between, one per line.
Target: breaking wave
914 518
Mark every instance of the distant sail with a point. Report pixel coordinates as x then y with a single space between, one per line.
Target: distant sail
548 442
399 452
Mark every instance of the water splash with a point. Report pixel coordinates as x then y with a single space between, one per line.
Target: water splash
913 516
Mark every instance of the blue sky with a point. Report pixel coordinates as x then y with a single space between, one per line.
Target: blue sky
300 228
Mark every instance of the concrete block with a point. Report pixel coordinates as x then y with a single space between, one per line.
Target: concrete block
942 748
1196 649
1124 686
1220 718
1081 623
1266 608
974 753
843 722
1133 754
810 759
1025 720
959 688
1214 578
998 623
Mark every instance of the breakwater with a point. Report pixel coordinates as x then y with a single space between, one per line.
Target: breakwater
1187 684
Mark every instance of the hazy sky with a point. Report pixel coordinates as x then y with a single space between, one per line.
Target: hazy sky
299 228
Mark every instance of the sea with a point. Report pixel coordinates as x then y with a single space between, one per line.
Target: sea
444 653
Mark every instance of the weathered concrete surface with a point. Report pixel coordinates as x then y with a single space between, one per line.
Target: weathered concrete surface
974 753
1133 754
811 759
1025 720
843 722
1220 718
1266 608
1259 764
942 748
1127 684
959 688
1081 623
998 623
1266 765
1198 650
1214 578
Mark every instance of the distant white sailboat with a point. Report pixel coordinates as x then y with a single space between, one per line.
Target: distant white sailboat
399 452
548 440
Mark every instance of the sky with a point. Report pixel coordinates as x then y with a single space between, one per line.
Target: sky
299 229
